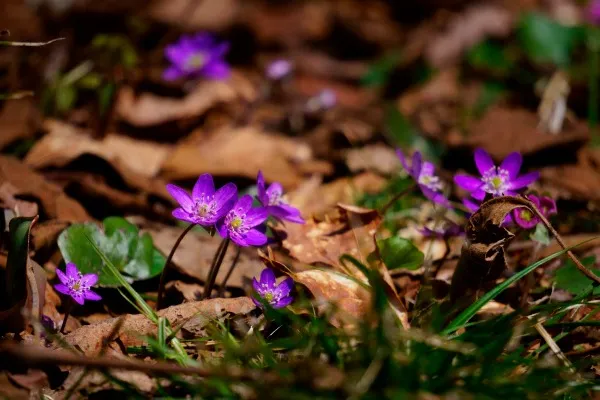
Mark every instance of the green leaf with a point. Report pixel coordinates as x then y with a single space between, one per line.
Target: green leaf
569 278
66 96
546 41
491 56
541 235
406 136
397 252
134 256
16 263
379 72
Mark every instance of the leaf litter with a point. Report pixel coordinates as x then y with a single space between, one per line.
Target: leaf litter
383 283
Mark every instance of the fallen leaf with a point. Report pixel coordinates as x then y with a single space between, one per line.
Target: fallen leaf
195 253
503 130
378 157
347 95
54 201
192 15
483 254
21 208
148 109
351 298
179 292
19 119
33 379
472 26
576 180
349 232
89 338
240 152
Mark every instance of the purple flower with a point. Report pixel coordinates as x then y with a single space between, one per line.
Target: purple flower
196 55
498 181
423 174
240 223
279 69
278 296
205 206
76 285
526 219
449 229
593 12
272 199
323 100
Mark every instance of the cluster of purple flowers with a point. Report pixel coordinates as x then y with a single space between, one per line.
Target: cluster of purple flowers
494 180
234 218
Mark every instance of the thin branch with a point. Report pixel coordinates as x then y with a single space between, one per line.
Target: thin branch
396 198
558 238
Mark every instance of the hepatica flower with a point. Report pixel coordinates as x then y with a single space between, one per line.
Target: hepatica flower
205 206
526 219
424 174
242 223
324 100
500 180
279 69
272 199
195 56
76 285
278 296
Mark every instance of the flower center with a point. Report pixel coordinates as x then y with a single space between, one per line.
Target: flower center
195 61
269 297
496 181
236 223
526 215
205 209
430 181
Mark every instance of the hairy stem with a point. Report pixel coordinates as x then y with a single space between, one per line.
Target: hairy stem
163 275
236 258
558 238
214 268
68 309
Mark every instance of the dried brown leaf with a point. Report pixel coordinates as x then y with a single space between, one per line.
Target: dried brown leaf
483 254
89 338
240 152
194 15
27 182
148 109
18 119
378 158
576 180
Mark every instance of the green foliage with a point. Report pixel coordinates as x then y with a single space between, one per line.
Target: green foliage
133 255
547 41
379 72
118 48
541 235
397 252
490 56
569 278
16 263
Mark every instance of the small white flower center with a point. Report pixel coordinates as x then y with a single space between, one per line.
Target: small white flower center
496 181
76 285
205 208
195 61
275 198
235 222
431 181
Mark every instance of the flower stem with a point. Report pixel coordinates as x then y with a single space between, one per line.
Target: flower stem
558 238
396 198
214 268
163 275
236 258
69 307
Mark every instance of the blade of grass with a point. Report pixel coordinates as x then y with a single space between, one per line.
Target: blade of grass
470 312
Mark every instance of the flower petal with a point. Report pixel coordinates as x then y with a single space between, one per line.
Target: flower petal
260 188
181 196
478 194
203 186
427 168
267 277
182 215
275 190
61 276
524 180
470 204
90 295
243 204
172 73
467 182
222 229
226 197
89 279
62 288
400 155
217 70
257 287
286 301
255 238
256 302
524 218
256 216
72 271
434 196
284 288
78 298
483 161
512 163
416 165
547 205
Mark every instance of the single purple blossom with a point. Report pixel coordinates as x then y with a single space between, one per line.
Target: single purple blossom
526 219
323 100
278 296
273 200
48 323
76 285
593 12
423 174
241 222
498 181
197 55
205 206
279 69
